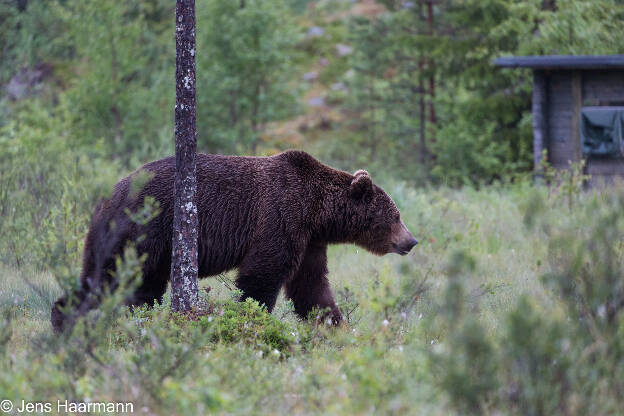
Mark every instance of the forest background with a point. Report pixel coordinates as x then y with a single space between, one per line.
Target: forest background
511 303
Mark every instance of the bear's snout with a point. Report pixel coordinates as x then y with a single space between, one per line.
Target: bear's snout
404 241
405 247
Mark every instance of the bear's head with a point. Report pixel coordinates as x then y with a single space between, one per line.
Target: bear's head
379 228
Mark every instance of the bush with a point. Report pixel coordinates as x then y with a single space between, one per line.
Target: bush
249 323
566 357
49 188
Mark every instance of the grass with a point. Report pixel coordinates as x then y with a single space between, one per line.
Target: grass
378 364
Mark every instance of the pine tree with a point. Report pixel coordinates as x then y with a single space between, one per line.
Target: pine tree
184 289
247 62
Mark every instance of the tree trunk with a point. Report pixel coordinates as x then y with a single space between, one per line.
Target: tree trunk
184 291
114 109
424 156
371 109
255 109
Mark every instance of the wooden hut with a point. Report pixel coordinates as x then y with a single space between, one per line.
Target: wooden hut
578 110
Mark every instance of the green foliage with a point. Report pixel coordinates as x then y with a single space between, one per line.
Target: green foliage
466 154
480 333
368 89
494 105
573 27
245 61
522 319
463 360
383 95
113 97
467 370
536 361
587 269
29 37
93 58
482 130
389 298
115 66
249 323
562 358
563 183
48 189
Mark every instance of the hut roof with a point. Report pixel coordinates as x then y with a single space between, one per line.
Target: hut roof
562 62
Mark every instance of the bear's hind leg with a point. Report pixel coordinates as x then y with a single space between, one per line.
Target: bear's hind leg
152 289
262 275
156 275
309 287
264 289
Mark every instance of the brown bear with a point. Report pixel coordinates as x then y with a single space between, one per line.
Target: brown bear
270 217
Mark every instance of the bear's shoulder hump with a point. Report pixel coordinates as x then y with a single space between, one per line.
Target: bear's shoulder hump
300 159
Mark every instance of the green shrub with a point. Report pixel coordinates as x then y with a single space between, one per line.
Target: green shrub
49 190
566 357
249 323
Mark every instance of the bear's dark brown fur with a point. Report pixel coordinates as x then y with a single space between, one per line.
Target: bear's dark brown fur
270 217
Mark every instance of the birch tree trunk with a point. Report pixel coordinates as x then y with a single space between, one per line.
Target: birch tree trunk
184 291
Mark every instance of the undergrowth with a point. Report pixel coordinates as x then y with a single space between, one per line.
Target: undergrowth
510 304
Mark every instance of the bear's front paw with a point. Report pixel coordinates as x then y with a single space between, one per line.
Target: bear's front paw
334 318
57 317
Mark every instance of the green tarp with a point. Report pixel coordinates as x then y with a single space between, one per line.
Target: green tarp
601 131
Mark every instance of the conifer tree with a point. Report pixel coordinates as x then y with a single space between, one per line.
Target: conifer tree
184 288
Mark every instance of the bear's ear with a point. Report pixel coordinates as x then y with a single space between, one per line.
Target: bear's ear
361 185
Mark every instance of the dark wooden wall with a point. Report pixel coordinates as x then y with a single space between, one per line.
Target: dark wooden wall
563 94
603 88
559 115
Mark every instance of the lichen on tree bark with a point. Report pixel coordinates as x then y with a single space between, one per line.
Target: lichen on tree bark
184 290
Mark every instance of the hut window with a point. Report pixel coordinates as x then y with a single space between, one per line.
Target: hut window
602 130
